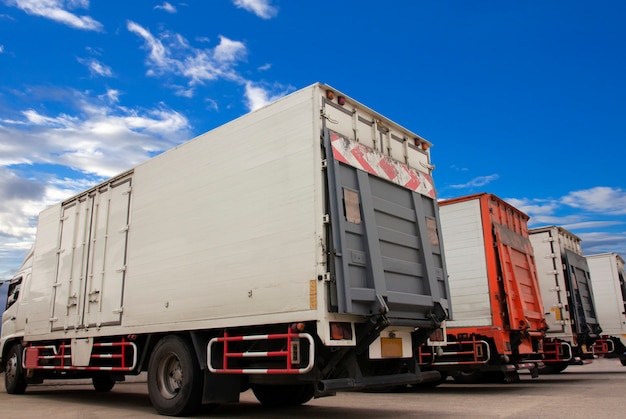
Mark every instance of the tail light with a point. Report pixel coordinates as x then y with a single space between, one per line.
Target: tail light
340 331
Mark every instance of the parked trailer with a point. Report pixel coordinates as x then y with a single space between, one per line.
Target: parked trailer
294 250
609 293
568 298
498 324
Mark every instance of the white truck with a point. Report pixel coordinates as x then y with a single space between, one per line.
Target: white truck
609 292
295 251
567 295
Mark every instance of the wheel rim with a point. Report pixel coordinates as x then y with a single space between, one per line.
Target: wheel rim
169 376
11 368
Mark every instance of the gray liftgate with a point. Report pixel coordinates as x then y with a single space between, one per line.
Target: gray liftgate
581 294
386 258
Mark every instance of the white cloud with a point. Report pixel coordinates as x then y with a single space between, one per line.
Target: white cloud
57 10
265 67
101 139
1 48
257 96
171 54
600 199
591 224
96 68
477 182
601 242
261 8
229 51
166 7
158 53
197 65
112 95
536 207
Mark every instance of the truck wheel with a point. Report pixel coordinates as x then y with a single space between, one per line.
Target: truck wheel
283 395
174 378
14 379
103 382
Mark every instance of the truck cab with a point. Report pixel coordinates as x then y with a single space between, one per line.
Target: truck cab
13 318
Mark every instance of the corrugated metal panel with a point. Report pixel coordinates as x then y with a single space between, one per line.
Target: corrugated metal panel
581 294
387 252
552 283
464 245
519 279
89 283
609 292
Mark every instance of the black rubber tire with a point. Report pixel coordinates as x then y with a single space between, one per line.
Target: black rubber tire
283 395
174 378
102 382
468 377
553 368
623 361
14 379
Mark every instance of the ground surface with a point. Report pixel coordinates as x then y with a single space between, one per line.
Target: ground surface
596 390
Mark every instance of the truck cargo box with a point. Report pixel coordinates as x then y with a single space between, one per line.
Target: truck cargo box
566 290
312 220
609 294
498 315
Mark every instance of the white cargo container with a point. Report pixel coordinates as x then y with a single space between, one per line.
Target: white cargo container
567 296
609 293
294 250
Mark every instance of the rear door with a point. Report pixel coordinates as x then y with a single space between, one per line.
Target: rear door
89 283
519 278
582 307
386 255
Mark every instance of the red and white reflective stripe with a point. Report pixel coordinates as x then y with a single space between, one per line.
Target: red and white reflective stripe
260 354
59 353
365 158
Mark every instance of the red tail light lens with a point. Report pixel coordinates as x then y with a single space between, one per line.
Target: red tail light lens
340 331
437 336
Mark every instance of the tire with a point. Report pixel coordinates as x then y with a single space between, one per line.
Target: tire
553 368
103 382
468 377
14 379
174 378
283 395
623 361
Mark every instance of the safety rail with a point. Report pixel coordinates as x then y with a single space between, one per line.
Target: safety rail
290 351
462 352
557 351
603 346
59 357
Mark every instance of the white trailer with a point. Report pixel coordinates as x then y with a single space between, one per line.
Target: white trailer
609 292
567 295
294 250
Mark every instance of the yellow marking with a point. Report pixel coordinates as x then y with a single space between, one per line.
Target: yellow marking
313 294
391 347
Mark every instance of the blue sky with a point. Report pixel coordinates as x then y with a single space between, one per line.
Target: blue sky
523 99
